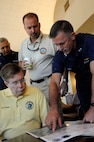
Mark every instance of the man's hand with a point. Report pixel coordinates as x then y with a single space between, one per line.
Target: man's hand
22 64
89 116
53 118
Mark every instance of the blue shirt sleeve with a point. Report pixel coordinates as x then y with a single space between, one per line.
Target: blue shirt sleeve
89 42
58 63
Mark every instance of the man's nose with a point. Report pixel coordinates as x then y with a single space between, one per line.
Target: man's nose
5 49
33 29
20 84
60 47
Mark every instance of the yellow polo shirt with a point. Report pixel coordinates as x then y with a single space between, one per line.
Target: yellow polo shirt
26 112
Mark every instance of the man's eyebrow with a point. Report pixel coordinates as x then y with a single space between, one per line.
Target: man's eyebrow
32 26
4 46
61 43
29 27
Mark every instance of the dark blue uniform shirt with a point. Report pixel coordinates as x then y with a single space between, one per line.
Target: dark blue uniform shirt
11 58
78 62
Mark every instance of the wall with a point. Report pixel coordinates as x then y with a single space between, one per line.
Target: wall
78 12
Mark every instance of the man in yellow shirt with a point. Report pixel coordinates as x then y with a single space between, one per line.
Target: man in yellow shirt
22 107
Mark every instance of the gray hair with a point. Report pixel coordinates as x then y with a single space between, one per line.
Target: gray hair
9 70
59 26
2 39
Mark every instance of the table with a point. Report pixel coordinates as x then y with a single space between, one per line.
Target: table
29 138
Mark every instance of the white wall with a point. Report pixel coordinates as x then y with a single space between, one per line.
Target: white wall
11 13
78 12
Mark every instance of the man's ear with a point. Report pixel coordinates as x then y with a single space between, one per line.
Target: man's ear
6 83
39 25
24 26
73 35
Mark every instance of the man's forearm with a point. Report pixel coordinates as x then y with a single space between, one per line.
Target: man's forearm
54 95
92 92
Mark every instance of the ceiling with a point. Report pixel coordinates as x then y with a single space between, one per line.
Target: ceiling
12 11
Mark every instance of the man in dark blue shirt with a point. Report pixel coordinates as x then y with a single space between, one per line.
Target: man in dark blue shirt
76 54
6 56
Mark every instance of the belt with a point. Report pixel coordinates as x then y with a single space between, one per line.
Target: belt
40 80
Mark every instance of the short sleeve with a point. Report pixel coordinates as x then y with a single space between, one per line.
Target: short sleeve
58 63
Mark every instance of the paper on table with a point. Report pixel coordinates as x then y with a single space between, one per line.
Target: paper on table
69 132
65 133
38 133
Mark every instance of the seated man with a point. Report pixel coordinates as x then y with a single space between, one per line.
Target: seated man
22 107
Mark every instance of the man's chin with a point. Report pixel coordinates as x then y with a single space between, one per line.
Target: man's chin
35 36
21 92
66 52
6 54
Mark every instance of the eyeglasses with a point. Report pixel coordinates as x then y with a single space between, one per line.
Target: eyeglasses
15 83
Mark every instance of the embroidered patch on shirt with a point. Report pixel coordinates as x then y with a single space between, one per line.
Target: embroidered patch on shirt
43 50
29 105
